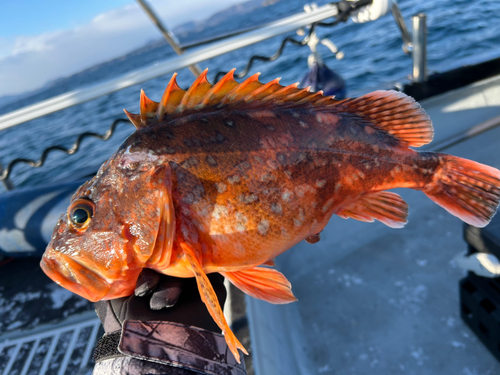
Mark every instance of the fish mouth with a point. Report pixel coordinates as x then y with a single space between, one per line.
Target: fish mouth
75 277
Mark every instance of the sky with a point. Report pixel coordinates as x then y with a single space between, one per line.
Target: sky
44 40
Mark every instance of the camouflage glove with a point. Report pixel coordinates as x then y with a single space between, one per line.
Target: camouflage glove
164 328
159 297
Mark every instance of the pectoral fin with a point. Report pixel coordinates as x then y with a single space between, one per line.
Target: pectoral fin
263 283
209 297
162 251
386 207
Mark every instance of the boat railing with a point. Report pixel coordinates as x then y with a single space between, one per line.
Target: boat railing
51 346
190 57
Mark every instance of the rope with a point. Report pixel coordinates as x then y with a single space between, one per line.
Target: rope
70 151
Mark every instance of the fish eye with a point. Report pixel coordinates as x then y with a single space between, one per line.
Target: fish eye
80 213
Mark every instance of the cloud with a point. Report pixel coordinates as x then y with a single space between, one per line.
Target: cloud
37 43
28 62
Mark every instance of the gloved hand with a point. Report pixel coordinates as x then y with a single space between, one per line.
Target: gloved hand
159 297
153 341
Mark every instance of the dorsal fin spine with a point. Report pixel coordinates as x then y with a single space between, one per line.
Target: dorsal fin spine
324 99
261 91
220 89
312 98
238 92
172 87
134 119
192 96
148 108
293 96
280 92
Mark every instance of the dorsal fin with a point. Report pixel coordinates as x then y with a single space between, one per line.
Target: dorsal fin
196 93
171 98
282 94
220 89
148 108
134 119
389 111
395 113
299 94
264 90
312 97
242 90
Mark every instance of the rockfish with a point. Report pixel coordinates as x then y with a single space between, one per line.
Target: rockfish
225 177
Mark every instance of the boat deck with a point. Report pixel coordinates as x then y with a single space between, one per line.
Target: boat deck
44 329
376 300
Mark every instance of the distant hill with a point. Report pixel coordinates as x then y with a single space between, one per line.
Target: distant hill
215 24
4 100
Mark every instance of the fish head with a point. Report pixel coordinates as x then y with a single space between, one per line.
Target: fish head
109 231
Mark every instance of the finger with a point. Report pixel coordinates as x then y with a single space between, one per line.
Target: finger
147 282
167 293
108 318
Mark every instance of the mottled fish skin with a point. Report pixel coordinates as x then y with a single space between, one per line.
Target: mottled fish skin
257 182
224 178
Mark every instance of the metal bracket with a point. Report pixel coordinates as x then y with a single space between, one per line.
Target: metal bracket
482 264
414 44
313 41
6 181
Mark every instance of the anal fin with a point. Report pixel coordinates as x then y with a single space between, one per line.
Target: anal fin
263 283
386 207
209 298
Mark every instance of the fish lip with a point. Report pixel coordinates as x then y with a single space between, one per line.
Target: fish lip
58 268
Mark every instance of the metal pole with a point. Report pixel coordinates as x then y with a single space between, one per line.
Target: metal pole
419 52
167 34
402 28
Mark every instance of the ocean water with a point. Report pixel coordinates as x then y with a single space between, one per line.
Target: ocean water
460 32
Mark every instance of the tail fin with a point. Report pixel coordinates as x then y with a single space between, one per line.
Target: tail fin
466 189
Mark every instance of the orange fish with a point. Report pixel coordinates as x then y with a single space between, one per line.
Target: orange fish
224 178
